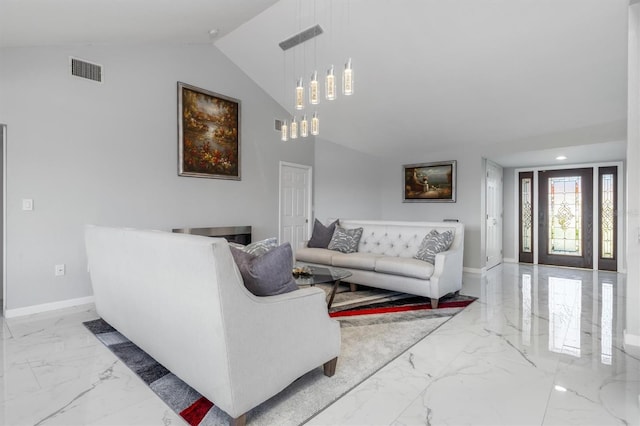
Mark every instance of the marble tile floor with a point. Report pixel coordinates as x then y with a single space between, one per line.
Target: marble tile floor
541 346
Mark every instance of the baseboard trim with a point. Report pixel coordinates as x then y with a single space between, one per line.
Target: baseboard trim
46 307
474 270
509 260
631 339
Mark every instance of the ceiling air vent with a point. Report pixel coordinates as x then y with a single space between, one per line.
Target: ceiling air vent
84 69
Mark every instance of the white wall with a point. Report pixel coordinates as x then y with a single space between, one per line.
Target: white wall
352 184
107 154
347 182
467 208
632 332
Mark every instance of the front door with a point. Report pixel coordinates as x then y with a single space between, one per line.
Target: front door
565 217
295 204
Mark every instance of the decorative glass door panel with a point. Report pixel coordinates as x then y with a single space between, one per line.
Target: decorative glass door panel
608 212
526 217
565 217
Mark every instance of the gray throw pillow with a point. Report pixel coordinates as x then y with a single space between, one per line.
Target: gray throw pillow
345 240
259 247
321 235
432 244
268 274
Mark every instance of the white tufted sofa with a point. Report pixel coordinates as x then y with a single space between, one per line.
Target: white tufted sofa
385 258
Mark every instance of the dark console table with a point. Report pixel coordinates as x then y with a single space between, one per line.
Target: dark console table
236 234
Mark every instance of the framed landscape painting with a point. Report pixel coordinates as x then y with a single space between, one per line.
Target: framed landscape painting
208 134
430 182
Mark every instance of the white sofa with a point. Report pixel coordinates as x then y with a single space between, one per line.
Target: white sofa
385 258
182 300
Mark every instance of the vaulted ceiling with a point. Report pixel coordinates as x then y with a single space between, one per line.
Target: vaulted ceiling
520 79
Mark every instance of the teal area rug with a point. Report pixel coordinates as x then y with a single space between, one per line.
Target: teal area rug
388 323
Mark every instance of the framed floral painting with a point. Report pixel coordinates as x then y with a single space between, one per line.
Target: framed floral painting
429 182
208 134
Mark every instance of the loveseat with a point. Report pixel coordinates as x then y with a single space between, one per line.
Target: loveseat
385 258
182 300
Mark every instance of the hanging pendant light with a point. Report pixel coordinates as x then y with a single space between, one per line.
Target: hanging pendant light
315 124
330 85
347 79
304 126
314 95
284 131
294 128
300 94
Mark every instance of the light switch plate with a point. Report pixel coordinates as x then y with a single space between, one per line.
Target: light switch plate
27 204
60 270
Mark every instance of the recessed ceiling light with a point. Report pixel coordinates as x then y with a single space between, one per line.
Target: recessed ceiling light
560 388
561 157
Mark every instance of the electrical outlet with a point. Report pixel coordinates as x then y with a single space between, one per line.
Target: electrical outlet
59 270
27 204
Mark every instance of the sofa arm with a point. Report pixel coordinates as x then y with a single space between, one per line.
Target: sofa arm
447 274
292 331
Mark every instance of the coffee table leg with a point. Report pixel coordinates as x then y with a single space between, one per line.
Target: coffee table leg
333 293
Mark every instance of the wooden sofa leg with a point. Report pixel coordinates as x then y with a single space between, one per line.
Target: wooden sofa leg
330 367
239 421
353 287
434 303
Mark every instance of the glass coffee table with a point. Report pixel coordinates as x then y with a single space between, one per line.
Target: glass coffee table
321 275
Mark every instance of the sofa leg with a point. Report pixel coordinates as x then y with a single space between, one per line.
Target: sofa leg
238 421
353 287
330 367
434 303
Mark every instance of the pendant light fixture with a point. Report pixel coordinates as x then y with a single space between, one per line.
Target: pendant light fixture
309 123
304 126
330 85
347 79
315 124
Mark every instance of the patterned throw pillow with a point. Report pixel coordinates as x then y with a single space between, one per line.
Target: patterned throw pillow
432 244
268 274
321 235
259 247
345 240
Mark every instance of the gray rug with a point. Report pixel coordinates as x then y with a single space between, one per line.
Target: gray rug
369 342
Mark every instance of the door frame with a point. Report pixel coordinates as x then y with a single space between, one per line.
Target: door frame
487 164
3 129
621 219
309 171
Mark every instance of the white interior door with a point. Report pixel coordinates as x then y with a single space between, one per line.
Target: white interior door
494 215
295 204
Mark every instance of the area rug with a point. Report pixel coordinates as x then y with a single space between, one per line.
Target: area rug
376 326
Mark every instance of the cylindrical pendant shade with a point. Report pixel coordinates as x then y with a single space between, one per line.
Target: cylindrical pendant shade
330 85
315 124
304 127
294 129
314 95
284 131
300 94
347 79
